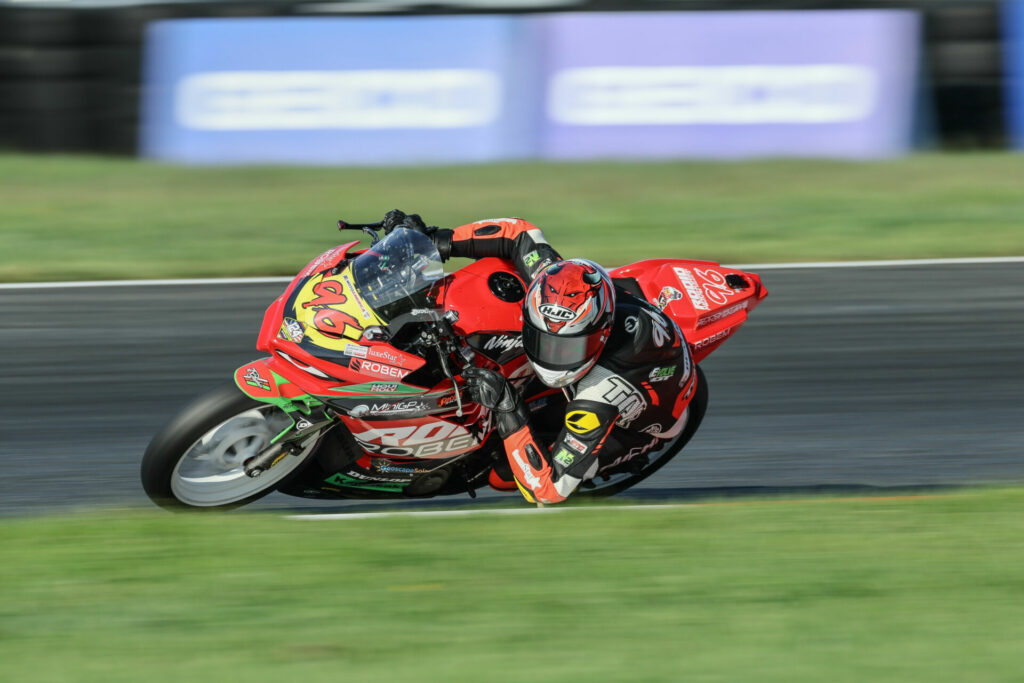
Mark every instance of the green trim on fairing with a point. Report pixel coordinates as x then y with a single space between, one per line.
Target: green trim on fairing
363 389
340 479
302 404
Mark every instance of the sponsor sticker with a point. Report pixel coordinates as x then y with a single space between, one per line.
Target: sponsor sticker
398 407
717 336
388 467
582 421
718 315
692 289
667 296
291 330
363 310
433 439
254 379
564 458
662 374
355 350
575 444
372 367
383 387
383 353
620 393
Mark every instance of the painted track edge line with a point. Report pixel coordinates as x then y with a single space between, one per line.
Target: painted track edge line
482 511
891 263
184 282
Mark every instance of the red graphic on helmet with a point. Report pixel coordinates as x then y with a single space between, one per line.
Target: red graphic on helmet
568 295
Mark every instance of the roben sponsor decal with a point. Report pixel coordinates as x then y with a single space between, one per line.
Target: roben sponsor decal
312 100
426 440
737 95
716 337
372 367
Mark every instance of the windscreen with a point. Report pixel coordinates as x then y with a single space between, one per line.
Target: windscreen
394 275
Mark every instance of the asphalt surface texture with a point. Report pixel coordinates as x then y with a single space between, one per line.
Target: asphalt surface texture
873 379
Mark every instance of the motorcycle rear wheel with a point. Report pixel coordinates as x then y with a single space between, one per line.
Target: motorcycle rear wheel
196 461
618 483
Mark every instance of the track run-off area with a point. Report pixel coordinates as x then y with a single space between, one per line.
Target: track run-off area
868 377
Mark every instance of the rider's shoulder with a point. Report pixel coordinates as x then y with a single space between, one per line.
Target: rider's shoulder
641 334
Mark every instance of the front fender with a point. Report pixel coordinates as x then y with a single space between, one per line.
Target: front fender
260 381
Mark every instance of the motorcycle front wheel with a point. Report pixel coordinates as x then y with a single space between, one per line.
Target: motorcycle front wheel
197 460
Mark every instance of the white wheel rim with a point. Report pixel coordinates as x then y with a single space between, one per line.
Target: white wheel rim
211 471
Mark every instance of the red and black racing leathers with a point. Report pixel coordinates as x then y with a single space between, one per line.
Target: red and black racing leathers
635 395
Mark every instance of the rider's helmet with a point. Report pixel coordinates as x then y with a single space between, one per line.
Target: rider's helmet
567 318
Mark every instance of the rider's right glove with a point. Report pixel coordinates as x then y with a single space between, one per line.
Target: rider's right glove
493 391
399 219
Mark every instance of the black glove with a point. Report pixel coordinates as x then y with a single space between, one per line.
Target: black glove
399 219
491 390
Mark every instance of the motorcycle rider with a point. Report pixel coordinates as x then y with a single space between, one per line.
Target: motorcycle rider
622 363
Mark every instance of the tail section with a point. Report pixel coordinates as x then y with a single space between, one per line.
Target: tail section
708 301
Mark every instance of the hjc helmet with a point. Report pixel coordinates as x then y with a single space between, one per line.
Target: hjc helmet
567 317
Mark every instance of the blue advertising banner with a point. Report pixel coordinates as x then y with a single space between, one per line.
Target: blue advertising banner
338 91
1013 26
730 84
407 90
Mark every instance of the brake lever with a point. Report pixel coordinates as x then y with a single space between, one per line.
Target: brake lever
442 338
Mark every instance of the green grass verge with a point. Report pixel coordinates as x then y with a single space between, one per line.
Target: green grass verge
70 218
926 589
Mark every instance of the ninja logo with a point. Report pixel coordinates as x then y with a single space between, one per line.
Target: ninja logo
503 342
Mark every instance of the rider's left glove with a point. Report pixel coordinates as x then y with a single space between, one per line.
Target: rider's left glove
491 390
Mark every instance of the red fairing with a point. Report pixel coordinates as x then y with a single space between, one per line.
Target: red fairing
708 301
468 293
272 318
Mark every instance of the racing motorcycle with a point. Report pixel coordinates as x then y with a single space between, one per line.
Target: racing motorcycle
361 393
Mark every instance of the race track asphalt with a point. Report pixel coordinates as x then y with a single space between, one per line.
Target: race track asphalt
843 379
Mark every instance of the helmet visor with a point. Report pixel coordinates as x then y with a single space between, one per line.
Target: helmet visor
560 352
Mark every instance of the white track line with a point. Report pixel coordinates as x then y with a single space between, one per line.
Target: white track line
146 283
882 264
282 280
481 511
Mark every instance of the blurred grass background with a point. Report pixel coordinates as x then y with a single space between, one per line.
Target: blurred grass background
914 589
68 218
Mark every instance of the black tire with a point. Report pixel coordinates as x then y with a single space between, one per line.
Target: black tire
659 458
173 442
